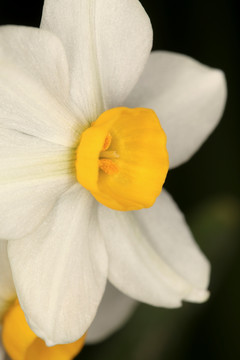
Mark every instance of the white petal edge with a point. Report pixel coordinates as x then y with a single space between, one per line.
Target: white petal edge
107 43
137 269
167 231
38 54
25 205
114 311
33 174
188 97
65 266
7 289
32 72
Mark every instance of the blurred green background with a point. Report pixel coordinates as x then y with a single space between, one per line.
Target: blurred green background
206 189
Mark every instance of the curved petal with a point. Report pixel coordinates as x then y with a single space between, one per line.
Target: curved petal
113 312
7 289
38 54
32 72
107 44
188 97
65 266
165 227
138 269
24 205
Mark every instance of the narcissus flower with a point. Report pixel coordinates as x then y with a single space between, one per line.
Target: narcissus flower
82 148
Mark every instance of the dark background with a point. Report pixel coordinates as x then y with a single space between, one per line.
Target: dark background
207 189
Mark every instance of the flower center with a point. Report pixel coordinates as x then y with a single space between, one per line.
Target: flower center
106 158
21 343
122 158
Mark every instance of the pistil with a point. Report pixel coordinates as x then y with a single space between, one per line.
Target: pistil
108 155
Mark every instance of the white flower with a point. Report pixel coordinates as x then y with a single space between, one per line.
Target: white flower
63 245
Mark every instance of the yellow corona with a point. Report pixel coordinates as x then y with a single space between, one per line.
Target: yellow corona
122 158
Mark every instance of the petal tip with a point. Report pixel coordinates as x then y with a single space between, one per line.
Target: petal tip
198 296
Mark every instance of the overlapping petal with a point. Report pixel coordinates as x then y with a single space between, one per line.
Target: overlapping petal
38 54
114 310
38 132
107 43
165 227
145 271
188 98
33 174
65 267
30 100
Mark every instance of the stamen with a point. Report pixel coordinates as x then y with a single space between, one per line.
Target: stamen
107 142
105 162
108 166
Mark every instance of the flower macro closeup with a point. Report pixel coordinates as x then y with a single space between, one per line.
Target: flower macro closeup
90 123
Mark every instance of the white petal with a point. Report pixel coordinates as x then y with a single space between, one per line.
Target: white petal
188 98
33 174
138 269
107 44
24 205
114 310
165 227
38 54
38 134
7 289
65 266
32 72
